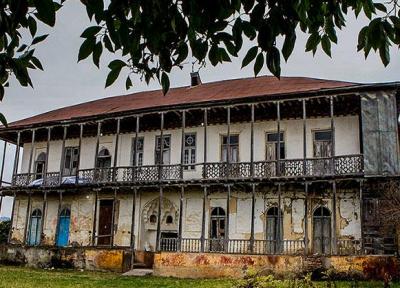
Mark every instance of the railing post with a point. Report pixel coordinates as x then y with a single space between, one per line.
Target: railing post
333 154
183 143
132 244
182 194
16 158
12 220
44 216
94 236
203 220
253 202
31 157
304 138
205 123
158 236
334 238
228 199
27 218
79 153
2 163
252 142
62 156
278 152
114 174
46 165
306 218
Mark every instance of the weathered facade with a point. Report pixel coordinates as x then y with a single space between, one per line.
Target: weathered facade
249 166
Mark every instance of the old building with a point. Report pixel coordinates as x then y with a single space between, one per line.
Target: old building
251 166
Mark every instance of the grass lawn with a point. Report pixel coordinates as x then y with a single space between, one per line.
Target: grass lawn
11 277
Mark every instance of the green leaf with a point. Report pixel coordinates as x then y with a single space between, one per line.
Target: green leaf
112 76
22 48
1 92
274 61
251 54
39 39
362 38
288 45
90 31
258 64
326 45
32 26
108 44
380 7
128 83
313 42
36 62
3 120
98 49
384 53
46 11
165 82
86 48
116 64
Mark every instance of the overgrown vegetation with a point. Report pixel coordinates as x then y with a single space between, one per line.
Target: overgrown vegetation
5 227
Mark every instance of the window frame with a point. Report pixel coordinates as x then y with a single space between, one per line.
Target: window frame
189 166
138 152
71 166
314 132
222 145
282 142
162 154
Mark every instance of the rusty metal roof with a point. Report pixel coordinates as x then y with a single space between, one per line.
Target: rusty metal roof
183 96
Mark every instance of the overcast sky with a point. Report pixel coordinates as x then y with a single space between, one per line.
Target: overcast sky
65 82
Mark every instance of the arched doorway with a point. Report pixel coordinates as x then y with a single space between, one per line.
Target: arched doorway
63 228
40 165
274 230
103 163
35 228
217 229
322 234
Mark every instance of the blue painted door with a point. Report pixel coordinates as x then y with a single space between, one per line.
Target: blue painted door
63 229
34 231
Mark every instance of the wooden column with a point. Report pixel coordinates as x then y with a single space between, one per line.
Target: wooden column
228 199
361 216
252 142
44 209
158 236
280 235
16 158
334 228
1 201
3 160
94 235
182 194
12 220
203 220
205 123
228 140
79 153
115 171
62 156
133 219
332 134
304 138
306 218
161 162
97 143
183 142
60 203
46 165
28 180
113 218
278 154
27 218
253 202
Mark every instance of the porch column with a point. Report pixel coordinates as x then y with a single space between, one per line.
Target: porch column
306 218
228 142
205 120
182 194
334 237
161 160
60 203
12 220
115 171
158 236
228 199
1 201
16 158
135 149
280 234
113 218
28 179
46 165
94 234
252 143
44 209
278 154
183 143
304 138
253 202
97 143
361 216
27 218
62 155
333 154
2 163
133 219
203 220
79 153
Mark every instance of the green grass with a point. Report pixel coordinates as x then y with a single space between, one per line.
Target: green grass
15 277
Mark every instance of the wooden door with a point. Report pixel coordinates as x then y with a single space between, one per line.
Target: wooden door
105 222
322 236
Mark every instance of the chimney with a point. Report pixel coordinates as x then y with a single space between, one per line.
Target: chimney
195 79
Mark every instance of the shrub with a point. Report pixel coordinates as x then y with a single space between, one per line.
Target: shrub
5 227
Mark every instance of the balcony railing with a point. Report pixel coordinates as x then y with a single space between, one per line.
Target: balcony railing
257 247
285 168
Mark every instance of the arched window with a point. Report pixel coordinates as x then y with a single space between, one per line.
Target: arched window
63 227
104 158
153 219
35 228
274 230
217 229
322 234
169 220
40 165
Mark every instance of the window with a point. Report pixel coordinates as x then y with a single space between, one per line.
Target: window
103 159
153 219
35 227
139 151
232 147
189 151
272 148
322 144
40 165
166 150
70 161
169 220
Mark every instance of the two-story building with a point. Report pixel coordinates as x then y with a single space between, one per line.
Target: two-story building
255 166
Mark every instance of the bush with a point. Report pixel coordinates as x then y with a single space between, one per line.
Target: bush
5 227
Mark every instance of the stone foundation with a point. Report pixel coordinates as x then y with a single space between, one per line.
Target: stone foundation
195 265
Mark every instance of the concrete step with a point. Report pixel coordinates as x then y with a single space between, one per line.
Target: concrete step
138 272
138 265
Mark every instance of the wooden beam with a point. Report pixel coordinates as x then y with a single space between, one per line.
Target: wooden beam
60 203
252 142
278 154
182 142
62 155
46 165
97 143
203 220
3 160
306 219
161 160
12 220
28 180
205 120
115 171
94 234
334 225
44 208
16 158
27 218
253 202
158 235
304 137
113 218
79 154
182 194
228 199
